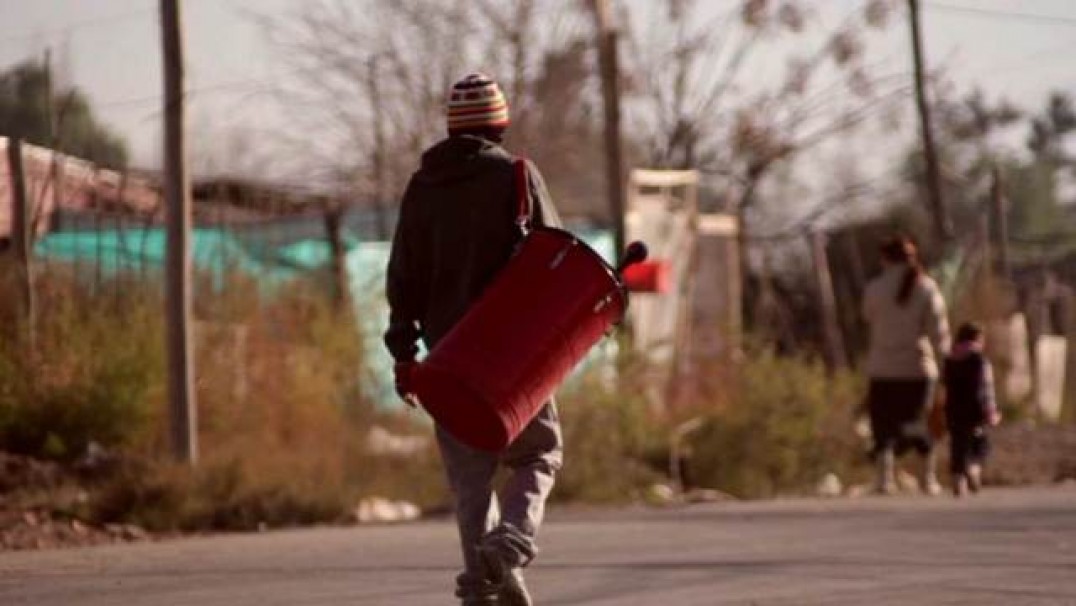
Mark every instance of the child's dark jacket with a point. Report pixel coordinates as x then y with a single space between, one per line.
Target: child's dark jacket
969 390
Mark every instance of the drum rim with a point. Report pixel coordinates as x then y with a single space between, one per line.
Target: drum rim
621 288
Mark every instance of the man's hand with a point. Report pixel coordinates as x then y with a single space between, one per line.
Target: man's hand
402 372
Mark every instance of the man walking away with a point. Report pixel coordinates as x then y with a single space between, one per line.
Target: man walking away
457 230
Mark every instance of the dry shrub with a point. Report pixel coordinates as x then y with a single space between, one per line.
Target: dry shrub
283 419
281 413
288 420
764 425
790 424
610 434
92 372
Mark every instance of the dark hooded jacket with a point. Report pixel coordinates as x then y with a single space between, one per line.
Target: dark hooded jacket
969 387
457 229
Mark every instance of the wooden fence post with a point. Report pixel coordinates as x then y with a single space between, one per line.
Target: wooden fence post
179 298
21 238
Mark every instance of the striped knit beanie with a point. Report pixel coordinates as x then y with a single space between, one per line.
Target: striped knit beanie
476 103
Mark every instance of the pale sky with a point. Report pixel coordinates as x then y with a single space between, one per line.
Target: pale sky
110 49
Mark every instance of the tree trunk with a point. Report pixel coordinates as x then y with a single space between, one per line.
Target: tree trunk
334 232
942 227
1001 222
380 203
827 304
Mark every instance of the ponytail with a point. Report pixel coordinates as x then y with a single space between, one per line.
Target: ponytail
907 285
901 250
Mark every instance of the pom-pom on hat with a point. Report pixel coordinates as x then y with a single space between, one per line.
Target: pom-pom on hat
476 103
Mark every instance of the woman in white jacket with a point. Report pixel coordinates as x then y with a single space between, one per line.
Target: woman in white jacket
909 336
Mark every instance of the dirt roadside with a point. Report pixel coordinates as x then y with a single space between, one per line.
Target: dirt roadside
42 504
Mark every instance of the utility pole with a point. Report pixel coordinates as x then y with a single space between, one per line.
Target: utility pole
178 299
942 228
21 236
1001 220
614 153
55 170
50 106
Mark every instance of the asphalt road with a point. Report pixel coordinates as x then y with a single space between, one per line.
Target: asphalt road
1003 547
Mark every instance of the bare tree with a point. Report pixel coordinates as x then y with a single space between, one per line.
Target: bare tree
684 76
701 107
420 48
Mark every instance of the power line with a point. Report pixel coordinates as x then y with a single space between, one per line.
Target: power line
246 83
95 22
91 23
1031 62
1066 21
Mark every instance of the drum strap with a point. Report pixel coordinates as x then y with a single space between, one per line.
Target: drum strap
523 198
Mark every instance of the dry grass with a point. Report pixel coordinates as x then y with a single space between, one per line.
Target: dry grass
283 419
281 413
788 424
92 372
610 435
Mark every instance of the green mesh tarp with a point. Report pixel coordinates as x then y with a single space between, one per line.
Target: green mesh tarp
217 252
115 251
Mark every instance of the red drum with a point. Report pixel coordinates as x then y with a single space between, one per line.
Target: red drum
648 276
493 372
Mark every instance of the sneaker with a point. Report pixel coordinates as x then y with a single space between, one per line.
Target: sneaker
474 591
928 477
931 487
960 485
511 589
975 478
885 482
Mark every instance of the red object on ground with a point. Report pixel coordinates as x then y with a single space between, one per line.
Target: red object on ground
491 374
648 276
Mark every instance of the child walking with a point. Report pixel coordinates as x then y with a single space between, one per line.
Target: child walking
970 406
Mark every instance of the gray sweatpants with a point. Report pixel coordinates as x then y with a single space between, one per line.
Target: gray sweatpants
532 459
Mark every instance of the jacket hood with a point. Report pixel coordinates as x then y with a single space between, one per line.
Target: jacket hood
458 158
